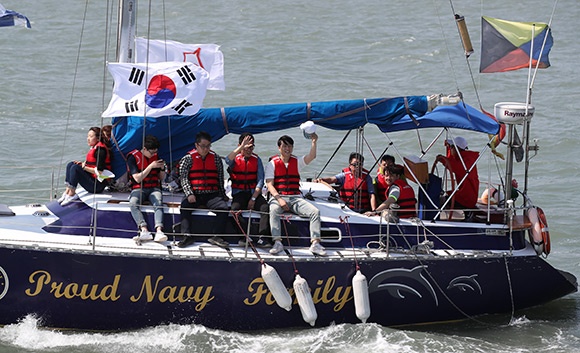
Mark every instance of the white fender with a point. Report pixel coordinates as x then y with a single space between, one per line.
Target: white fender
276 287
536 230
305 302
360 291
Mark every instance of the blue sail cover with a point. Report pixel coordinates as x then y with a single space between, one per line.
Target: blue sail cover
388 114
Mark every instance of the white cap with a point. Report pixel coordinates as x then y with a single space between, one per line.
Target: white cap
308 128
459 141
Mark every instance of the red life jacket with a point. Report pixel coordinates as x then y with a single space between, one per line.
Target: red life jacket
355 192
91 159
203 174
406 200
382 185
152 179
286 180
244 172
468 192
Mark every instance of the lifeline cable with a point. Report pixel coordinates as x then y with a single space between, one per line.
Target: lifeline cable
333 154
347 226
287 219
236 215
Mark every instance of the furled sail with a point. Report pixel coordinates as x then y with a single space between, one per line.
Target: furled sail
388 114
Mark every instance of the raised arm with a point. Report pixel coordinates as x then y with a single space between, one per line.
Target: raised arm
312 154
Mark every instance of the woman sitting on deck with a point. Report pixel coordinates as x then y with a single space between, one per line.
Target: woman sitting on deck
86 173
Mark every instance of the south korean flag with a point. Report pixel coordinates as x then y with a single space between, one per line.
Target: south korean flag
157 89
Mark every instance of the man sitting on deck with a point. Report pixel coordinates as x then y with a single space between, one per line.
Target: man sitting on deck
247 175
146 172
201 174
399 193
356 185
283 181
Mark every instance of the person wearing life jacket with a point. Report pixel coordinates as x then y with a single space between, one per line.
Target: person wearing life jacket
399 193
283 181
85 173
461 160
147 171
380 181
247 176
356 185
201 174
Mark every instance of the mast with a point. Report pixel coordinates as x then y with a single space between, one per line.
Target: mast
126 31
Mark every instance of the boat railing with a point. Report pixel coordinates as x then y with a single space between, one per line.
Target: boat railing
378 245
12 192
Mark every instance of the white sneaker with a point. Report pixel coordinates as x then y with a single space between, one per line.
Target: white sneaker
160 237
61 199
278 247
68 199
243 243
145 235
317 249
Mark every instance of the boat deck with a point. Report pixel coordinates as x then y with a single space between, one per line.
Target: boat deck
25 232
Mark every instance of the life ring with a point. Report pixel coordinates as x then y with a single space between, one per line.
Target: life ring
540 232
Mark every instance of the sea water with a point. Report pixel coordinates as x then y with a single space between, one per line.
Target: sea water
298 51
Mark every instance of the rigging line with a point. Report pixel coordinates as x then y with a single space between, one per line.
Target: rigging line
146 79
370 171
366 142
446 42
382 154
105 55
449 300
76 70
347 227
359 172
333 154
543 45
420 141
170 135
432 143
509 278
164 28
286 219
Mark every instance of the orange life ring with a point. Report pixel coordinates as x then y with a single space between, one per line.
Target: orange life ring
540 232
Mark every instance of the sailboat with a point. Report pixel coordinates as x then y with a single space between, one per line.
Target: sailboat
77 267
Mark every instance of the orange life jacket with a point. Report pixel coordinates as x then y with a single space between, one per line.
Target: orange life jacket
152 180
244 172
203 174
354 191
91 159
286 180
406 201
382 185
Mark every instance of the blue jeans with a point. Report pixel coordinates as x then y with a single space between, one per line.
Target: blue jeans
297 206
155 197
75 175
